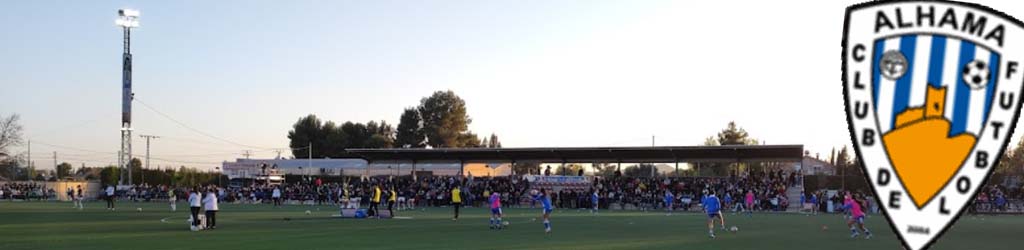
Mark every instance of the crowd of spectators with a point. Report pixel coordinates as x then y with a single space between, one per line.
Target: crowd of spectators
644 193
769 190
26 192
998 199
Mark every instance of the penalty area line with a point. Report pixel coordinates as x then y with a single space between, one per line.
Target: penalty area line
164 220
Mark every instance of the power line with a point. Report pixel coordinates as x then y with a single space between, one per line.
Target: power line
182 124
78 124
188 162
74 148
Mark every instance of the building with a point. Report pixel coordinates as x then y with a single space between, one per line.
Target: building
251 168
500 161
815 166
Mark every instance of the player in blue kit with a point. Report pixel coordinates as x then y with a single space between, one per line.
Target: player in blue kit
594 200
669 198
713 207
545 201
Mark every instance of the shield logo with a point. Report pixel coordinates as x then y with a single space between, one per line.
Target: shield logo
932 93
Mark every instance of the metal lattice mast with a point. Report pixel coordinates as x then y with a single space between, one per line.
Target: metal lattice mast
127 19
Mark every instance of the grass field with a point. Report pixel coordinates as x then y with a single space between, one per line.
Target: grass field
34 225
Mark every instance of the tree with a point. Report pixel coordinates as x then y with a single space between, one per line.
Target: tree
110 175
733 135
357 134
10 133
843 161
569 169
410 130
604 169
445 121
379 141
335 140
307 130
526 168
468 140
1013 160
642 170
136 165
493 142
381 135
63 170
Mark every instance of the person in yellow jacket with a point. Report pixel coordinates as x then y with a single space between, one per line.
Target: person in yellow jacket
391 201
456 201
374 201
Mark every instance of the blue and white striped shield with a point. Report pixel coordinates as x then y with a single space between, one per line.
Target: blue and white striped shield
938 61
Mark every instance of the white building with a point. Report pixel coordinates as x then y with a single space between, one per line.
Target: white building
814 166
249 168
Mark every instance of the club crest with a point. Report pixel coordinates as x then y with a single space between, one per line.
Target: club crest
932 94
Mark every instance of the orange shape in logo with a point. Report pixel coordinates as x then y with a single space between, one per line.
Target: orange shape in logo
922 152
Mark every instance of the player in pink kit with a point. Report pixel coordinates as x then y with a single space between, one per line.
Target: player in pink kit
856 217
495 201
749 206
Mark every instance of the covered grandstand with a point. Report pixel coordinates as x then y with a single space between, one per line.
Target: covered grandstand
484 161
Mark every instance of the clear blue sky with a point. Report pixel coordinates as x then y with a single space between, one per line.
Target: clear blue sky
537 73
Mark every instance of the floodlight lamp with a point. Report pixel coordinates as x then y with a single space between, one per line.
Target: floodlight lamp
128 13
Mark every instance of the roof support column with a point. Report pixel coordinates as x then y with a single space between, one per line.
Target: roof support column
368 163
677 167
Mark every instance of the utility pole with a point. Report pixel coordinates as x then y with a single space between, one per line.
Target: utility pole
147 154
652 140
55 161
247 153
309 162
29 160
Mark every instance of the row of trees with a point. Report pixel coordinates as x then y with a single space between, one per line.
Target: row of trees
330 140
182 176
732 134
440 121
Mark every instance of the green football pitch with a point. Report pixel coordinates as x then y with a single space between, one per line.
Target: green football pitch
55 225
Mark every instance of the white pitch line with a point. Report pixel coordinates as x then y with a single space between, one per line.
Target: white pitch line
164 220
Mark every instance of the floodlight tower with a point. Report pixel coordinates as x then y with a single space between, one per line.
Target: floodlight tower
127 19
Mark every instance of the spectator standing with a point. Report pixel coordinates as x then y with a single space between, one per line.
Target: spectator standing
110 197
210 205
276 195
195 204
173 199
78 198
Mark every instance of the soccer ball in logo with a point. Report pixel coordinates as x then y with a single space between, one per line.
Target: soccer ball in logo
976 74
